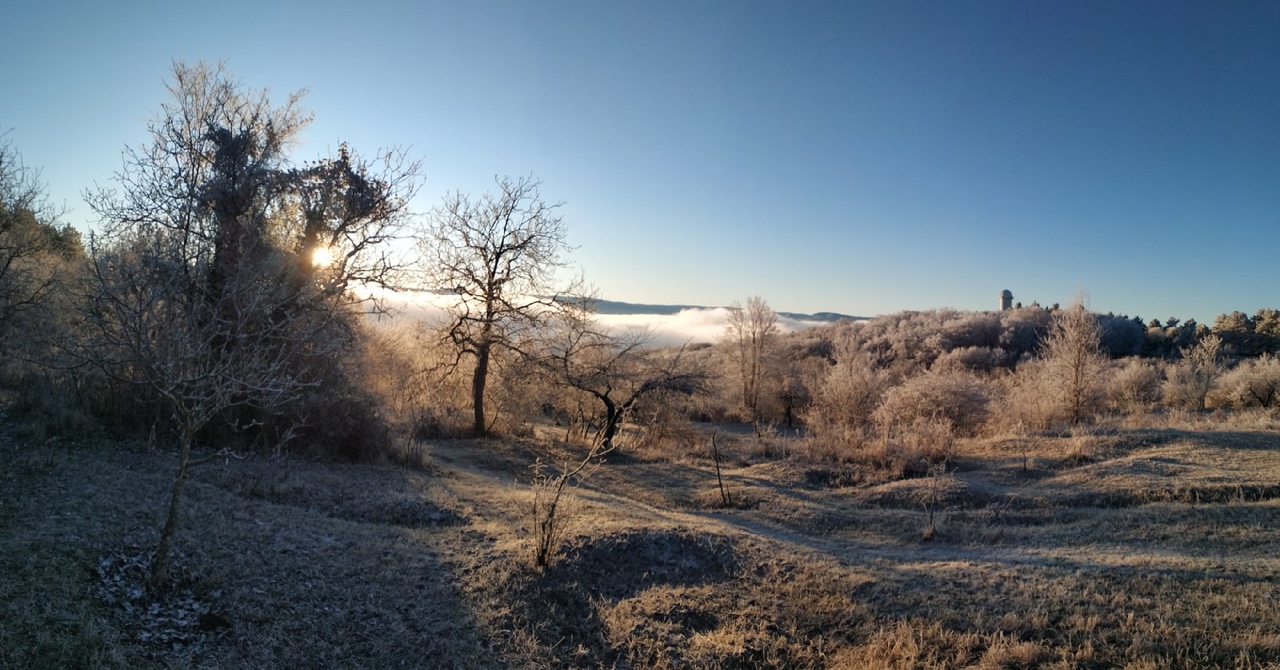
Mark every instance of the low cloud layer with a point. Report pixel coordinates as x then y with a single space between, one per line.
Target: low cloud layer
691 325
697 324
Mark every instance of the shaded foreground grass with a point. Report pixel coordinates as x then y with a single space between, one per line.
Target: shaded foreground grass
1134 548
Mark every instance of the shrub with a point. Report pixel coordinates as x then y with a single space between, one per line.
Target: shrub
835 444
1189 382
908 450
956 398
667 432
554 509
1133 386
1253 383
923 444
978 359
849 393
46 405
1027 404
406 369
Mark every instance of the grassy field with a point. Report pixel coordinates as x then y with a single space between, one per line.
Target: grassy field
1138 547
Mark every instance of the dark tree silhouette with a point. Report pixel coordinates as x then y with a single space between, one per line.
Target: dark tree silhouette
196 293
618 371
496 257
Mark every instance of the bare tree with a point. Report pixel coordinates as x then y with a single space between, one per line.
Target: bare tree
1073 361
618 371
197 293
217 171
497 257
211 170
183 302
751 334
202 354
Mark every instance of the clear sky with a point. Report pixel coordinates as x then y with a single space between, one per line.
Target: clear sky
842 156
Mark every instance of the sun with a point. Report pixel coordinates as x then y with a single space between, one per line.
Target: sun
322 257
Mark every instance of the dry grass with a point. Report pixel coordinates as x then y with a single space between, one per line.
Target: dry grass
1151 546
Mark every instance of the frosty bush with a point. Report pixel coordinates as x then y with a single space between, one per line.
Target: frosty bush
1189 381
956 398
848 394
1254 383
1133 386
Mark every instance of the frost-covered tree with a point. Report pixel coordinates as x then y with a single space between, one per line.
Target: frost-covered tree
496 258
197 294
751 334
1267 322
615 370
1073 362
1190 380
850 390
1235 322
1121 336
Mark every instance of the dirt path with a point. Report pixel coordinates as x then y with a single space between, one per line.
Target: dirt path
638 495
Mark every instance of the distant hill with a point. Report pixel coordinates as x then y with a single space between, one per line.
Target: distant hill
617 307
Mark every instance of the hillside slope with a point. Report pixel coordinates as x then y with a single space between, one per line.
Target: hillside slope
1140 548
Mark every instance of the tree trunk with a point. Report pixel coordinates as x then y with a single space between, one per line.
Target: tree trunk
612 417
160 566
478 381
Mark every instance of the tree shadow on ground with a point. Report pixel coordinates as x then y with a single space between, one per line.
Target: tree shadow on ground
612 568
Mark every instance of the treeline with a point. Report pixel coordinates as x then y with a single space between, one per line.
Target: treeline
983 372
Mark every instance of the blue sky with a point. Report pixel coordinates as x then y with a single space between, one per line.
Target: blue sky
843 156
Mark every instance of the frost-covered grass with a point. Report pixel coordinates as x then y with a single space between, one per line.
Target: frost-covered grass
1149 546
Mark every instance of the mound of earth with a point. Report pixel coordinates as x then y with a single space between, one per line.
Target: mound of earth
927 492
621 564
